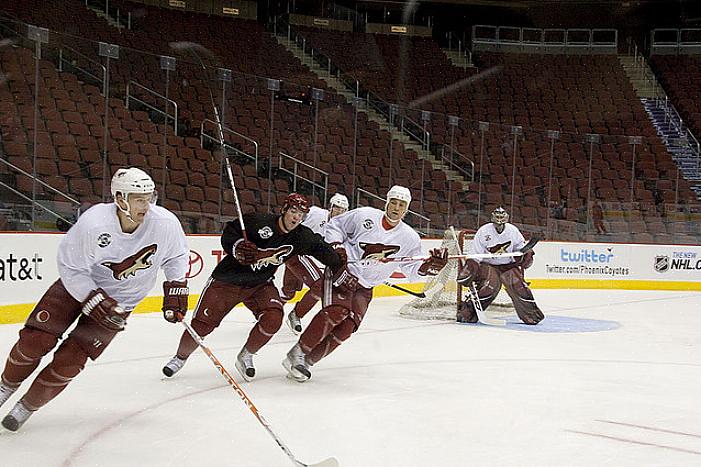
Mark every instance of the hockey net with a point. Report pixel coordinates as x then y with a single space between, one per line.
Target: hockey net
443 293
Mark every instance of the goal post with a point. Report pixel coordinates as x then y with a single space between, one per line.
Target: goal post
443 293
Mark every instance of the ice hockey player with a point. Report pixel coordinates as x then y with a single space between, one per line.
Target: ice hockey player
370 234
499 236
245 275
107 263
303 270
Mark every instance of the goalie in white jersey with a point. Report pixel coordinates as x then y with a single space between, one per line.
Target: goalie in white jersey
305 270
107 263
370 234
499 236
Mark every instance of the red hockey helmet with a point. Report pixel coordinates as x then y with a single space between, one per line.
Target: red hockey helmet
295 200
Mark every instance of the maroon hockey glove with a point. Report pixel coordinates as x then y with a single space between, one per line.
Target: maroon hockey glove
468 272
104 310
341 252
527 259
344 280
175 294
434 264
246 252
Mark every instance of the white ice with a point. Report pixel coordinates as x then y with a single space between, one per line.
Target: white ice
609 378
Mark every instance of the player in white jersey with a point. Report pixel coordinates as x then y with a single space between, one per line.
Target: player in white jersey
499 236
304 270
107 264
370 234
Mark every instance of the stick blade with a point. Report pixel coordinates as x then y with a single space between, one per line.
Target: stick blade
330 462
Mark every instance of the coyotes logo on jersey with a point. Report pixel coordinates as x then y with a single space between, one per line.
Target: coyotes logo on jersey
271 256
499 247
377 251
128 267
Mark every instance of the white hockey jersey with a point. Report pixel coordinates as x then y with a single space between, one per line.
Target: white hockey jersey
316 220
96 253
488 240
363 236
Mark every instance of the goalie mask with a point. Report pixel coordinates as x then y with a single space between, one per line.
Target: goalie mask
499 218
130 181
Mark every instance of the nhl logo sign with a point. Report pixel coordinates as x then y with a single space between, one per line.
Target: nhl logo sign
661 263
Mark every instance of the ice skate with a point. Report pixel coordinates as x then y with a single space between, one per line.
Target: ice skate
294 323
14 420
296 365
244 364
173 366
5 393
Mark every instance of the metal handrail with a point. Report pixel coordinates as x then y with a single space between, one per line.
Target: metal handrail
227 130
156 109
444 149
35 202
61 60
41 182
358 191
295 175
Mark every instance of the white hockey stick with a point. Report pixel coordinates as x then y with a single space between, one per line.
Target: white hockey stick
407 259
472 292
330 462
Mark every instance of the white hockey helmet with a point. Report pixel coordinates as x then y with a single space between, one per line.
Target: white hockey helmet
339 200
399 192
131 180
500 216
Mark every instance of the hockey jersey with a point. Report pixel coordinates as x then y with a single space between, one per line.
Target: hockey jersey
316 220
95 252
488 240
264 231
364 237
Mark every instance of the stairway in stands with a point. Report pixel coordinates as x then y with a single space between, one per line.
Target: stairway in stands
678 139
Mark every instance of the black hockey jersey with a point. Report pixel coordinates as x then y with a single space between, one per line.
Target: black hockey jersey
264 231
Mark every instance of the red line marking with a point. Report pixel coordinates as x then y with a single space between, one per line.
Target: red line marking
651 428
632 441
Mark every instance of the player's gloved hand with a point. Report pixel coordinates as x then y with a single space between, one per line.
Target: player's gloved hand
175 295
104 310
436 262
527 259
341 252
246 252
468 272
343 279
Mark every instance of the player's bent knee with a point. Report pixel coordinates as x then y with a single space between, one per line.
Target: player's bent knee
35 343
70 358
335 314
270 320
202 328
344 329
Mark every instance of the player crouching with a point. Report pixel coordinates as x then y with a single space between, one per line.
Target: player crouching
499 236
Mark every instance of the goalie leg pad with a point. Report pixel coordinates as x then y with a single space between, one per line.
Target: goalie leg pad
69 360
26 354
488 285
522 297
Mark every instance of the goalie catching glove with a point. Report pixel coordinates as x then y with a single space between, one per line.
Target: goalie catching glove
104 310
246 252
175 295
437 261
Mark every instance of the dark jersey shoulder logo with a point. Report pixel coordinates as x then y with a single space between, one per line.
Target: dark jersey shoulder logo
377 250
272 256
128 267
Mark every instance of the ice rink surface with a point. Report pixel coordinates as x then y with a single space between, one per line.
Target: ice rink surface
609 378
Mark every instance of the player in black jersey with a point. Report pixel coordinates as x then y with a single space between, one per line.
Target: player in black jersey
246 275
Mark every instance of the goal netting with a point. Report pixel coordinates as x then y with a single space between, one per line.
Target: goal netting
443 293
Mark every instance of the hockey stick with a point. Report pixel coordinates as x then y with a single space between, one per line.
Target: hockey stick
410 292
330 462
472 293
406 259
191 48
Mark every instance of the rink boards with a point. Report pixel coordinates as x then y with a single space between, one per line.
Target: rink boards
28 267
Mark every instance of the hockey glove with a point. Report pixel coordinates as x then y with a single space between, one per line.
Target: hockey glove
341 252
246 252
104 310
344 280
436 262
175 295
527 259
468 272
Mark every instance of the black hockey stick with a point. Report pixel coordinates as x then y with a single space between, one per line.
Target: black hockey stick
330 462
410 292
